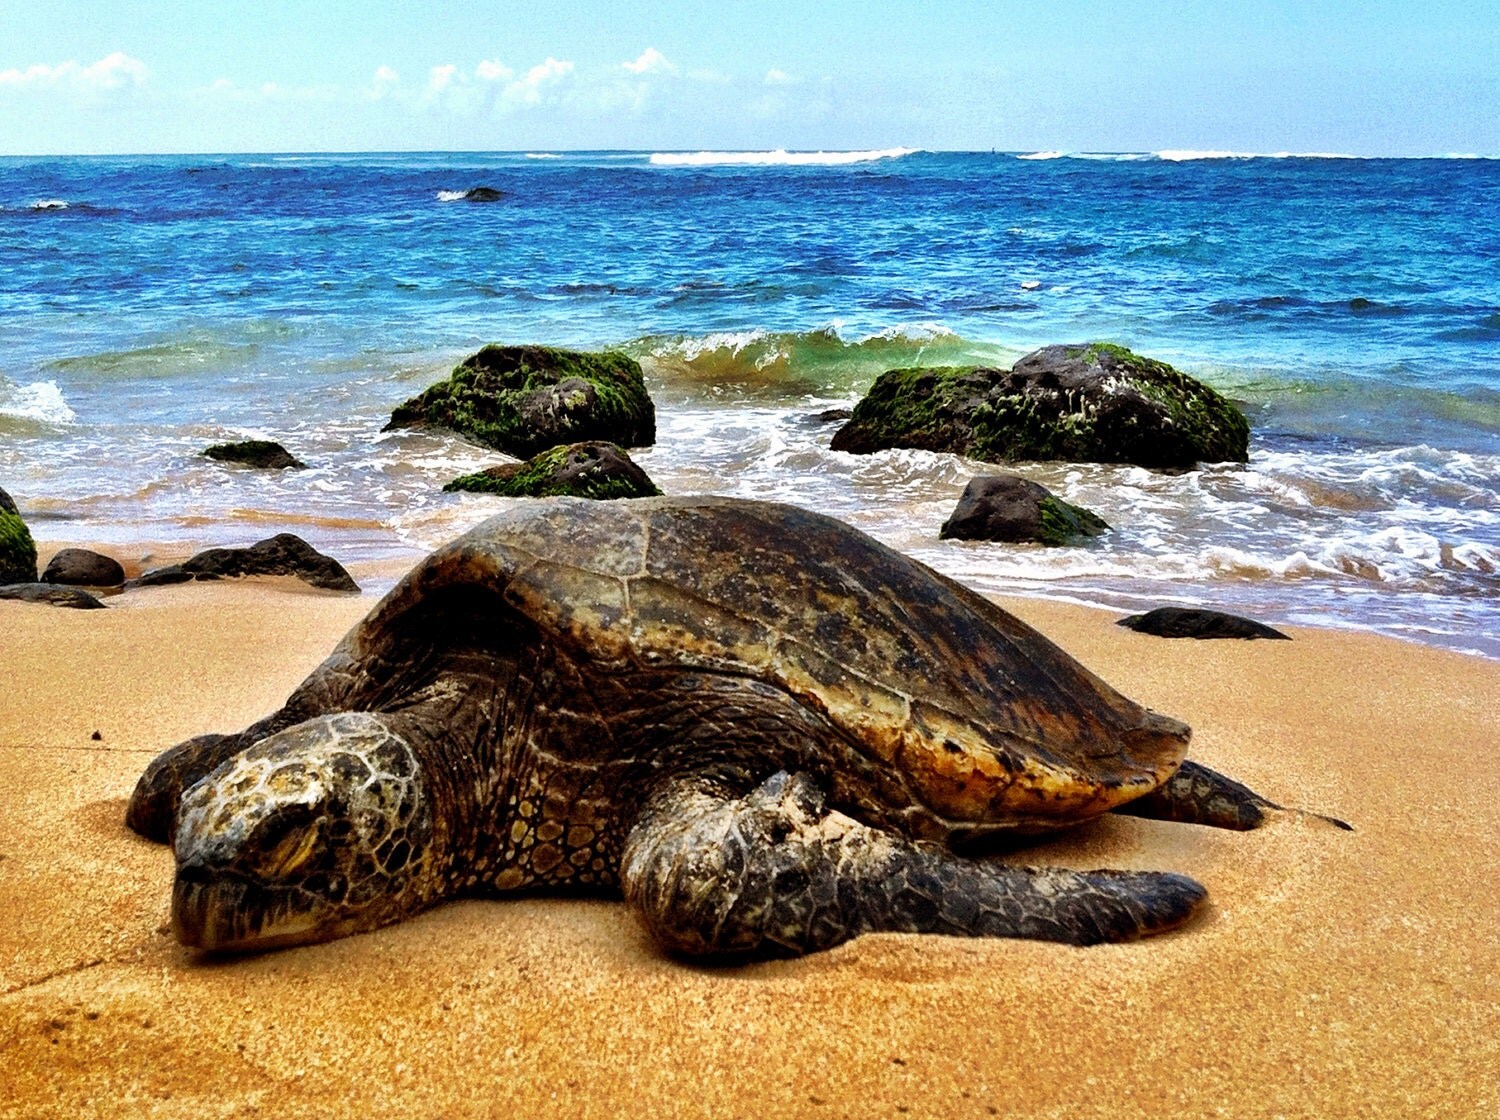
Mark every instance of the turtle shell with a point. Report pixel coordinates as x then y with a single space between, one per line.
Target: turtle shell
987 720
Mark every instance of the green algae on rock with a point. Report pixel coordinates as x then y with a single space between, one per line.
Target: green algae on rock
1097 403
594 469
17 549
524 399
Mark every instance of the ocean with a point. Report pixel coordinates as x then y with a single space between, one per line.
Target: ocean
151 306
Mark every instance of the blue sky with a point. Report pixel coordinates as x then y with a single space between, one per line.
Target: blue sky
1369 78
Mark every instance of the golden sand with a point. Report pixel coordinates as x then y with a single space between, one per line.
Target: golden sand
1335 974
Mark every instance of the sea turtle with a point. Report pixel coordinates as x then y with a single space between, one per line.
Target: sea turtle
766 729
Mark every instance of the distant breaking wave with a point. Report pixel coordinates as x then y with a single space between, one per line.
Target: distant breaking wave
1181 155
778 158
1184 155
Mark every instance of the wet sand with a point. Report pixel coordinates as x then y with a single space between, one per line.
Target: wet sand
1334 974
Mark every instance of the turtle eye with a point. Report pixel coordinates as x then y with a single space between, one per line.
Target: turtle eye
285 841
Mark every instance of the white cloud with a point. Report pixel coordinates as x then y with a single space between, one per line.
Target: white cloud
776 77
493 70
383 82
530 89
652 61
489 85
112 72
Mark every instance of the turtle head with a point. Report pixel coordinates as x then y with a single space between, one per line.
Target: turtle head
316 832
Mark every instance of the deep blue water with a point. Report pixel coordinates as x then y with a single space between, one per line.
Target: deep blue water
148 306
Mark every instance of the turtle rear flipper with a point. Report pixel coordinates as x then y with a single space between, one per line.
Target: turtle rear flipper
775 872
1198 795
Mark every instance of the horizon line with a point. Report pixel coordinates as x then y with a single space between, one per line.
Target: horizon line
1165 154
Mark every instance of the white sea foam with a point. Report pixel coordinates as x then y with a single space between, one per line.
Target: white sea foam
50 204
543 155
40 402
452 196
904 332
1181 155
779 158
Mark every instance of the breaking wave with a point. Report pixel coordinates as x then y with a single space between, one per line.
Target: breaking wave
25 408
779 158
799 363
1180 155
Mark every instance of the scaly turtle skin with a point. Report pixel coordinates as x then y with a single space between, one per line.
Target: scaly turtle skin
765 728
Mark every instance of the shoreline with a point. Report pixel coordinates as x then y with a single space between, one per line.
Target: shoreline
1318 947
376 576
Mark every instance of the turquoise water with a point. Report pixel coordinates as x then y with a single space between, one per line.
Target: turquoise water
151 306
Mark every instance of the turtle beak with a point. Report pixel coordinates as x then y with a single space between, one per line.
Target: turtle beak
218 913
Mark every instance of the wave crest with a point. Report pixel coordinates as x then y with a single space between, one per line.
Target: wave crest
31 407
816 362
778 158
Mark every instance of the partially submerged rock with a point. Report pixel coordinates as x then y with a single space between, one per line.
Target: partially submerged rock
1192 622
17 549
1096 403
263 453
82 567
578 470
1006 507
281 555
524 399
52 594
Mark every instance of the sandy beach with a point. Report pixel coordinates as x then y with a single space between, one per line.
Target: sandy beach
1334 974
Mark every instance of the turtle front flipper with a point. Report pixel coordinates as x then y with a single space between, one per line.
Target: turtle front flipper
152 811
1198 795
775 872
153 805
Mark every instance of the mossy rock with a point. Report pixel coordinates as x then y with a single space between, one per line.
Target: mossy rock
17 549
1005 507
525 399
1091 403
262 453
579 470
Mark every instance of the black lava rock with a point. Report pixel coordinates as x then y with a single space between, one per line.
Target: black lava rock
262 453
80 567
281 555
52 594
1006 507
1187 622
